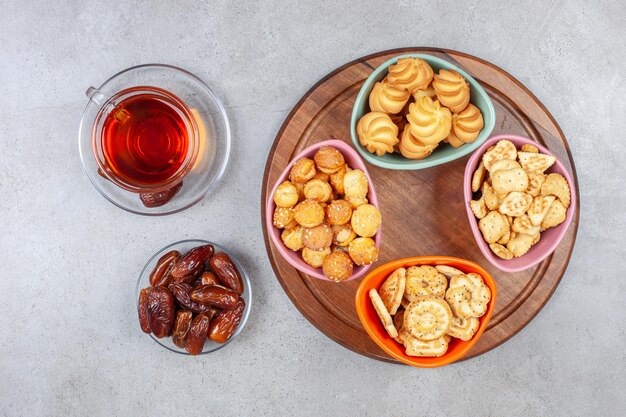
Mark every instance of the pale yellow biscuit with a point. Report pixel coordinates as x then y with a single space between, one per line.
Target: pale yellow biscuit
473 302
423 281
392 290
383 314
556 185
463 329
427 318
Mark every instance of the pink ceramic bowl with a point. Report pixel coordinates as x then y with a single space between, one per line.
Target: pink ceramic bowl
549 239
295 258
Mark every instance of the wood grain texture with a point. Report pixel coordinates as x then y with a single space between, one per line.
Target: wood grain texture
423 211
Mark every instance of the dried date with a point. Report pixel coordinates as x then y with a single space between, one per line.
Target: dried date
192 264
181 328
194 342
160 275
225 323
159 198
226 272
215 295
141 309
209 278
181 292
160 312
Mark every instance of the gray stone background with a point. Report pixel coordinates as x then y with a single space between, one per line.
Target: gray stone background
70 343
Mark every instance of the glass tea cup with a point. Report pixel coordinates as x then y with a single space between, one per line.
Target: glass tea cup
144 138
175 136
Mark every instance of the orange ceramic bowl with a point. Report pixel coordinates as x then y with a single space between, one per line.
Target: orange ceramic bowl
370 321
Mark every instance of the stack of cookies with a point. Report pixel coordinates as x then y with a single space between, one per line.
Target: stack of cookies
424 307
324 212
413 110
517 200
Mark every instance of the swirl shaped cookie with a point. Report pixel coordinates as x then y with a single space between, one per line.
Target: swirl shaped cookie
429 122
388 99
467 124
410 74
411 148
377 133
452 90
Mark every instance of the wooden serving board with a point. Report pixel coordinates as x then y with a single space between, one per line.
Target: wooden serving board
423 212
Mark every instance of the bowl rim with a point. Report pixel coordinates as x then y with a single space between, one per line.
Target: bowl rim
382 272
247 288
273 232
227 139
474 160
422 163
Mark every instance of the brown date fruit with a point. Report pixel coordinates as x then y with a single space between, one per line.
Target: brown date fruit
226 322
181 328
192 264
194 342
159 198
215 295
181 292
226 272
141 309
160 275
160 311
209 278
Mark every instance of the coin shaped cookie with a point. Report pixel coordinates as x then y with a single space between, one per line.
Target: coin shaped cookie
338 266
366 220
292 238
318 237
284 217
328 159
343 234
363 251
318 190
286 195
336 180
338 212
309 213
355 184
302 170
315 258
427 318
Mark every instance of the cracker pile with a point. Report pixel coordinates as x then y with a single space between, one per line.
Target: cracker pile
324 212
424 307
517 199
413 110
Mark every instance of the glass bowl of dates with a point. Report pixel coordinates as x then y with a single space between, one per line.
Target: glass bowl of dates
193 297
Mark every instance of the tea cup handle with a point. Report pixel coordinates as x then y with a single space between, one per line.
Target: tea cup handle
96 96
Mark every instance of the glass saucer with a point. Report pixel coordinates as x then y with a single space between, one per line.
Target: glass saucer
213 128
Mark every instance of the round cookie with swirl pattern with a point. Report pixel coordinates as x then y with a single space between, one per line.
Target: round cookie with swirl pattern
388 99
410 74
429 122
452 90
377 133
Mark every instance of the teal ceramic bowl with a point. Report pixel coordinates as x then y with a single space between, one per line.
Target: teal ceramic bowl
444 152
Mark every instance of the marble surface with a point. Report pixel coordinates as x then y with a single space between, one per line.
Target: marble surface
70 340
